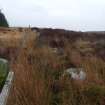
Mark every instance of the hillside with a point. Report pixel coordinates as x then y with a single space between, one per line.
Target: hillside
40 58
94 43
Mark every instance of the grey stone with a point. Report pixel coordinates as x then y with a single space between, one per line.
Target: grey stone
75 73
6 89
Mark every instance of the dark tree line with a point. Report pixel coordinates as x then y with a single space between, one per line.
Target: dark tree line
3 21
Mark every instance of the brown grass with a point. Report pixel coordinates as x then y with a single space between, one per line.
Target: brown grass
38 79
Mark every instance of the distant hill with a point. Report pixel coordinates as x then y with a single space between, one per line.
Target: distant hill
3 21
96 32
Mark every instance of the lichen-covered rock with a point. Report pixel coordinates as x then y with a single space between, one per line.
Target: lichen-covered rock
75 73
6 89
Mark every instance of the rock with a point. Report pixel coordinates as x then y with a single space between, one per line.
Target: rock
6 89
75 73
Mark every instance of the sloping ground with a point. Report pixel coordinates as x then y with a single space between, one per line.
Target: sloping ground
37 83
13 37
36 79
10 37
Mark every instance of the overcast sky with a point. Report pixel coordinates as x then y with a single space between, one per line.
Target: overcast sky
80 15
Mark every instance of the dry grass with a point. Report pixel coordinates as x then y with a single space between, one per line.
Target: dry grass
38 79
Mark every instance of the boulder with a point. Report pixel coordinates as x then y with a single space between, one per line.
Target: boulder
75 73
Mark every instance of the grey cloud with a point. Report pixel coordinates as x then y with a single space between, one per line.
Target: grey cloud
69 14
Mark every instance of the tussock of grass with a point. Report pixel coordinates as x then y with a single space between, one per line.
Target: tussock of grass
38 79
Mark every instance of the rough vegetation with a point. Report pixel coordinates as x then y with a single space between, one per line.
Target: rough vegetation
39 67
